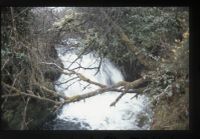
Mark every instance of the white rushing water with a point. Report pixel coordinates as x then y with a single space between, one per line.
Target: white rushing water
96 111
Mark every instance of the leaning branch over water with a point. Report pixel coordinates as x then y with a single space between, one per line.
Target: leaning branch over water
125 88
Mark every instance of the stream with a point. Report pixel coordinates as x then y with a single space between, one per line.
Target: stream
95 113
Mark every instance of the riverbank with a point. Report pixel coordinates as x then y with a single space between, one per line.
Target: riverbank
171 107
37 112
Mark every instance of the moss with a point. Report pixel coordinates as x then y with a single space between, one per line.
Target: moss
13 113
142 119
171 114
8 115
38 111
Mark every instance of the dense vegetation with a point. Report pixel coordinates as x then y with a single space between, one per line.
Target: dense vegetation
143 42
21 70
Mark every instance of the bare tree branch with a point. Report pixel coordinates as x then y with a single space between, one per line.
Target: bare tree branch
24 115
52 64
80 76
19 93
103 88
77 57
50 91
118 98
99 66
16 78
5 64
66 81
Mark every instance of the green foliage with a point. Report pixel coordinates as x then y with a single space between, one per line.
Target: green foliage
20 56
5 52
151 28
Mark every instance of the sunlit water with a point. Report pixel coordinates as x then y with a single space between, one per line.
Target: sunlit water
95 113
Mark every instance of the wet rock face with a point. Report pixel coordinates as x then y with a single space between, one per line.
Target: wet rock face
52 74
131 71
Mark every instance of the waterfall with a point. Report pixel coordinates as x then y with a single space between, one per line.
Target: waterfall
95 113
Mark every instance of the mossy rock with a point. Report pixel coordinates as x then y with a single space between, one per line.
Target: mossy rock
37 111
142 119
13 113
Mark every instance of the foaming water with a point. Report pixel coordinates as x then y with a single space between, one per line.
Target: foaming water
96 111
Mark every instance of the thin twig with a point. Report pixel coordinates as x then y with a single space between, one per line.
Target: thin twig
5 64
66 81
85 87
24 115
99 66
21 12
52 64
13 84
118 98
